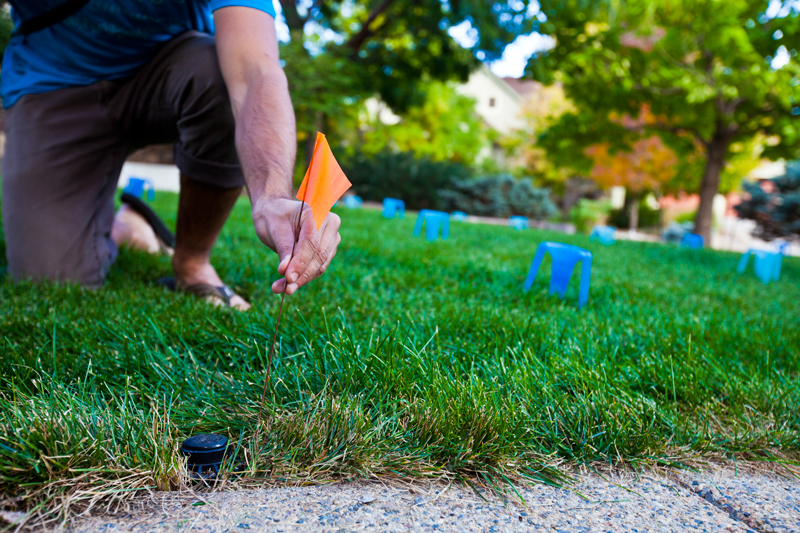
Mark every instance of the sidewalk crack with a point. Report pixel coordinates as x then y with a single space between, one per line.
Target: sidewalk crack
727 505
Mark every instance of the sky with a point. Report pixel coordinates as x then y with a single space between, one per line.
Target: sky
515 56
511 64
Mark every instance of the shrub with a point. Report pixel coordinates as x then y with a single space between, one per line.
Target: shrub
675 231
587 213
648 218
687 220
777 213
499 196
688 216
416 181
6 27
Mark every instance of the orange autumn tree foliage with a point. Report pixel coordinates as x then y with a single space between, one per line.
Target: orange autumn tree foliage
646 166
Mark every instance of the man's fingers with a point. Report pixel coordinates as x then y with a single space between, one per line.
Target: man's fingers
304 253
284 264
285 242
306 248
327 250
278 286
283 247
314 252
336 240
308 261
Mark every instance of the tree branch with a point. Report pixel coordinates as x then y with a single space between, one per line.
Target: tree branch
657 90
293 18
729 107
681 129
364 33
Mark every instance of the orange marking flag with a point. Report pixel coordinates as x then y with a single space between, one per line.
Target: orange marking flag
324 183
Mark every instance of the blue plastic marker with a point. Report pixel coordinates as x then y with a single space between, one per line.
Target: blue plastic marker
137 186
692 241
767 264
392 207
604 235
352 201
433 221
565 257
518 223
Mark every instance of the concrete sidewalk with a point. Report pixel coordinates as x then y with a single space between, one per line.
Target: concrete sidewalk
717 500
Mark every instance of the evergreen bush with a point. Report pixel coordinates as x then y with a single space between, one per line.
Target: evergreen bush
648 217
777 213
499 196
586 213
402 175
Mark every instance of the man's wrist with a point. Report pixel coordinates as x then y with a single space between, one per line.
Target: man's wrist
262 203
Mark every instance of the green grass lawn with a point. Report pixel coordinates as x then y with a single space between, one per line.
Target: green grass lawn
408 357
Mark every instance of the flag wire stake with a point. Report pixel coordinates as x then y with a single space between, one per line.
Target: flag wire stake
278 321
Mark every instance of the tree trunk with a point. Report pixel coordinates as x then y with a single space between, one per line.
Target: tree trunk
715 160
576 189
634 212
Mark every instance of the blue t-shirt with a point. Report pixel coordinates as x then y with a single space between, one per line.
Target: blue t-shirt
104 40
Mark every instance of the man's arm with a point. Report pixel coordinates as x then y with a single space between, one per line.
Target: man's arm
266 140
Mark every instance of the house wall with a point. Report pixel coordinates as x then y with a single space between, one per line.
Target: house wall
673 206
488 89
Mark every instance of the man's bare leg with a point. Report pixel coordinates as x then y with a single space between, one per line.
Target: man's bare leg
131 229
202 211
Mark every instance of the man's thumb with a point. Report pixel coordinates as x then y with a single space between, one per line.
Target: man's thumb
286 256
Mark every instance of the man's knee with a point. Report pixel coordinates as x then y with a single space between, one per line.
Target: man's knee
57 193
43 251
51 240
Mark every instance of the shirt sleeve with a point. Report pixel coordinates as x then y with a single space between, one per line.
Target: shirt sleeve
262 5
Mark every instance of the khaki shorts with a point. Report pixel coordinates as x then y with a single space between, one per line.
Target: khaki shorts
65 150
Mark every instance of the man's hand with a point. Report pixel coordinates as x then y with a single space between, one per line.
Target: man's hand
276 222
266 141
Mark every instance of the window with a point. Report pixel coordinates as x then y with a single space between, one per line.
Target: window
491 102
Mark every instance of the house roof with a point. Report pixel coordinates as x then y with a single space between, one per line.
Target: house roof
499 82
484 85
522 87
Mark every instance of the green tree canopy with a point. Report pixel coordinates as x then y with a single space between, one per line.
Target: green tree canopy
702 67
389 48
444 128
6 27
396 43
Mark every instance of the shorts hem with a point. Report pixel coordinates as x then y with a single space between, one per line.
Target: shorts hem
224 175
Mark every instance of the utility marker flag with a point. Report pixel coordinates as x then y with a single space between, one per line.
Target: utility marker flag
324 182
322 187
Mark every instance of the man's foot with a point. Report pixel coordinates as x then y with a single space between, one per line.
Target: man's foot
192 272
131 229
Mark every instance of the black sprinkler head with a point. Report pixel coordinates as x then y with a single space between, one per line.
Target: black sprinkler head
205 452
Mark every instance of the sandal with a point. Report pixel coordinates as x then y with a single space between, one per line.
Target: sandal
211 293
165 236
